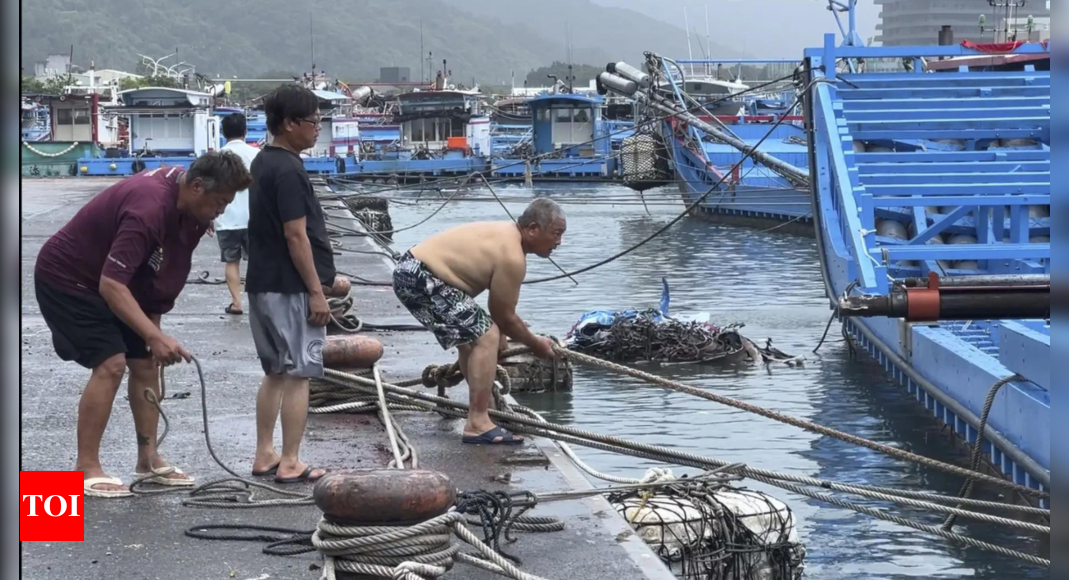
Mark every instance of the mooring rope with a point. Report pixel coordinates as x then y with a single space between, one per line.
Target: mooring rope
801 423
538 428
344 320
352 548
414 403
978 446
424 550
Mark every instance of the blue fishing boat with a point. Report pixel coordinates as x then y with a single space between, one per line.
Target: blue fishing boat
750 192
167 126
932 197
682 139
929 197
35 121
568 140
441 132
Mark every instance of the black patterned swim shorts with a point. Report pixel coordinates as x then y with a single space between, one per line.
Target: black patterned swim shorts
450 313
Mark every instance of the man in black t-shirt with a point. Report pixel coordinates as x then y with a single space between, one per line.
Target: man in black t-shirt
290 263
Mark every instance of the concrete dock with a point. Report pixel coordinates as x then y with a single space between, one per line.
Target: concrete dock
142 537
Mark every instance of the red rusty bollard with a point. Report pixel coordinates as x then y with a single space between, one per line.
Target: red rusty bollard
383 497
351 352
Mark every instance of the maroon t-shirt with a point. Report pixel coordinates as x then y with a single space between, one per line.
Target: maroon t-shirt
133 233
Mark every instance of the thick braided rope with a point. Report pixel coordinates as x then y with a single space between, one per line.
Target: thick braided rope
802 424
631 448
936 530
978 447
598 441
867 493
412 553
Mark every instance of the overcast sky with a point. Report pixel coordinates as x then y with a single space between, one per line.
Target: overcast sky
766 28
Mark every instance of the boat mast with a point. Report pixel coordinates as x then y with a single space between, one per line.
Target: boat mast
690 51
708 40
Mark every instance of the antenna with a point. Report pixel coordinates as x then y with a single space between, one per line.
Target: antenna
421 72
1011 6
312 41
690 51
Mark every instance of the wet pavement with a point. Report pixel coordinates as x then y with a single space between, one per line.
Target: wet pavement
142 538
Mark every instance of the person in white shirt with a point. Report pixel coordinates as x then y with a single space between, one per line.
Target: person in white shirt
232 228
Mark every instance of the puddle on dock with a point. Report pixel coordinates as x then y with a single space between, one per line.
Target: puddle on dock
771 282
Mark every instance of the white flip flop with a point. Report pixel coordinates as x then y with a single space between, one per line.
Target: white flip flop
159 477
87 488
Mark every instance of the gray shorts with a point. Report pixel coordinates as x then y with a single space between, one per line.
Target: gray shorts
233 245
285 341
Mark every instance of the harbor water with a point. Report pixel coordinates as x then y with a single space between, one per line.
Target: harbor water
771 282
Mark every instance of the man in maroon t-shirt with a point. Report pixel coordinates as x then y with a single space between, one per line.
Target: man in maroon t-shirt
104 280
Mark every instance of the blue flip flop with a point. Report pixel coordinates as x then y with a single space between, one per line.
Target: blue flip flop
488 438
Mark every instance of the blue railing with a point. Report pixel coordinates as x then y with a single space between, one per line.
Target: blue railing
962 154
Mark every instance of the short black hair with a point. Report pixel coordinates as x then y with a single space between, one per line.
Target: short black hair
291 101
220 171
234 126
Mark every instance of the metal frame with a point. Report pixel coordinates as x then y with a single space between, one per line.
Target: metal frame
891 110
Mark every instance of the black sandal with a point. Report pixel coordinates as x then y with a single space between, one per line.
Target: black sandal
231 310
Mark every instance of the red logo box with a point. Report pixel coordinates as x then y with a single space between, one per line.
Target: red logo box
52 506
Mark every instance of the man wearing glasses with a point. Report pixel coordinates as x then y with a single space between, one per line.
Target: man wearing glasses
290 263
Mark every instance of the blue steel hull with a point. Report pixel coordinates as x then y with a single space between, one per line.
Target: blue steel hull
124 166
571 169
753 195
959 360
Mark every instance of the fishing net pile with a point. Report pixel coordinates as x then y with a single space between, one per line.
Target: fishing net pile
373 212
709 531
650 336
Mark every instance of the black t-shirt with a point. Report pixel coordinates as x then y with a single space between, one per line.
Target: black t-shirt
281 192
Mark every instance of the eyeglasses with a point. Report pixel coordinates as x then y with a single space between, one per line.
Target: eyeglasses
314 122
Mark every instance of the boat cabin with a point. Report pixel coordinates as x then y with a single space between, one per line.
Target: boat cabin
340 131
71 117
169 122
444 122
568 123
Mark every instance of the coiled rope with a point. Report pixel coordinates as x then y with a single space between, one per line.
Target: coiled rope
343 319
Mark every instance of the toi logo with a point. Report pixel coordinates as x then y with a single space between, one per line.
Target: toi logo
51 506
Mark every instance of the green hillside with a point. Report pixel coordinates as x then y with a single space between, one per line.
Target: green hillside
489 40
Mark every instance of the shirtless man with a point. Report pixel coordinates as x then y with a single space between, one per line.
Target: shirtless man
438 280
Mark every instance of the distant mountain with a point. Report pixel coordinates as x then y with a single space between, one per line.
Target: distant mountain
489 40
598 34
760 28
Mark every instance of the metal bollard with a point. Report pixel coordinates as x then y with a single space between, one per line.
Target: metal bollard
383 497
